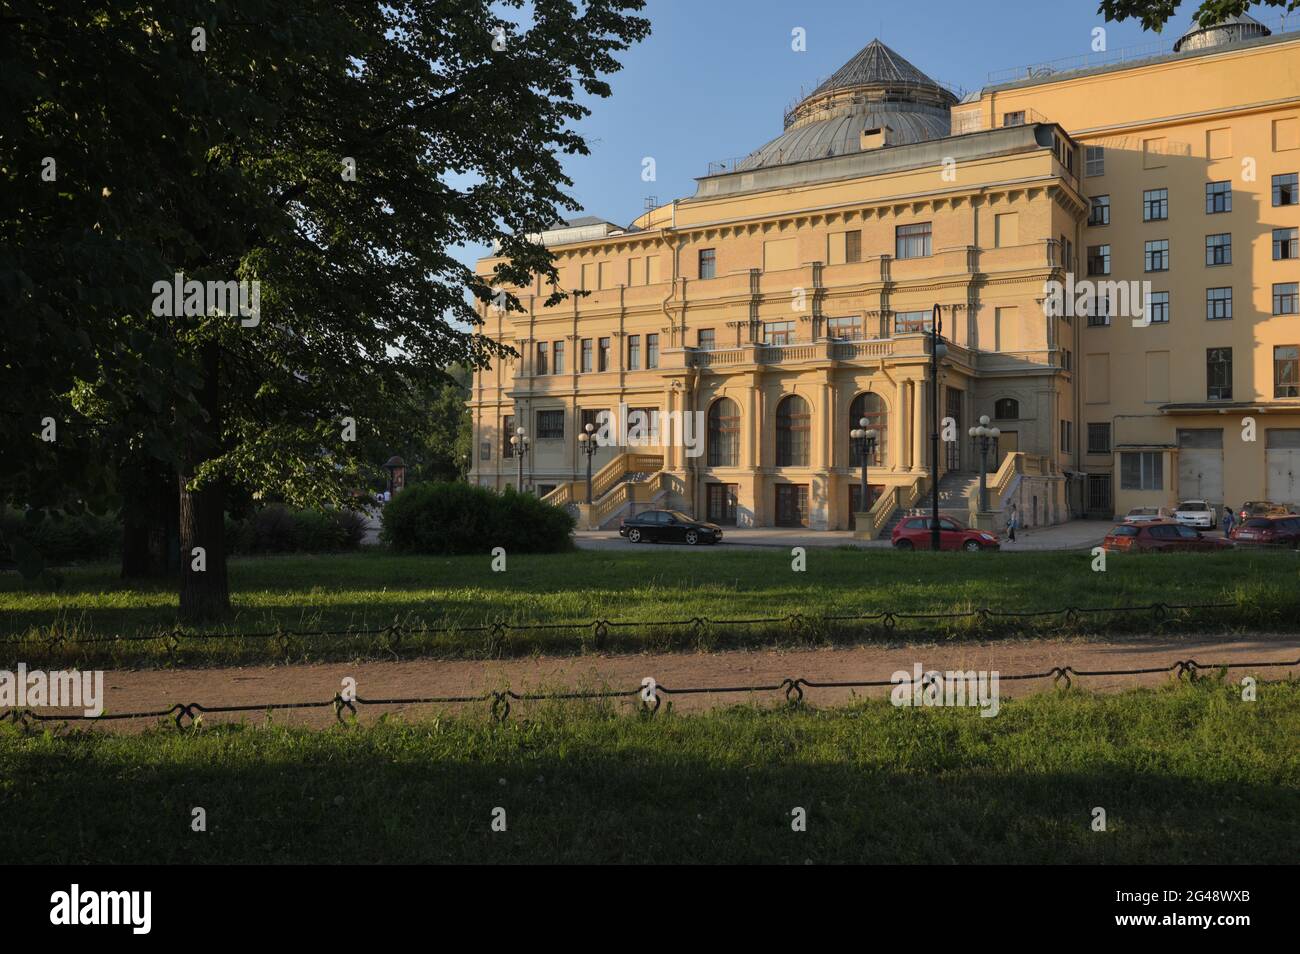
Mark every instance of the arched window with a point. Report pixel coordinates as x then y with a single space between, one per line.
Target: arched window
793 430
872 407
724 433
1006 409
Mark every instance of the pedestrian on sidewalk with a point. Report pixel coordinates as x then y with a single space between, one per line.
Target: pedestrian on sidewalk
1013 521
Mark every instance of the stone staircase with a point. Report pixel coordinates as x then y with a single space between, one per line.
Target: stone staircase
627 480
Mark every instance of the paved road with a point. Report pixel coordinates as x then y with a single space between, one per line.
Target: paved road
1075 535
129 691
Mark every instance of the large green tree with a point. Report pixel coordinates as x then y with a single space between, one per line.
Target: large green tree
1154 14
334 151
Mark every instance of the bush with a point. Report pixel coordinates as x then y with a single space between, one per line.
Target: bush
458 518
277 529
61 539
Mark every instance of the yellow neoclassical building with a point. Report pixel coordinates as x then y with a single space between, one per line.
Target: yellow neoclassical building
792 296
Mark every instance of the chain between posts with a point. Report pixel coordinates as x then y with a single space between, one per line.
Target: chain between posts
187 715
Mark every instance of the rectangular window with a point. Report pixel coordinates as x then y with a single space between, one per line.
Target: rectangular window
550 425
507 432
557 357
1099 438
633 352
911 322
602 358
1218 249
853 246
586 354
1218 304
1155 205
1065 436
595 417
849 328
1286 299
1218 197
540 367
912 241
485 450
1141 470
1100 313
1158 308
1014 119
1099 210
1286 189
708 262
1286 371
1218 374
652 351
706 340
778 333
1157 255
1094 160
1286 244
1098 259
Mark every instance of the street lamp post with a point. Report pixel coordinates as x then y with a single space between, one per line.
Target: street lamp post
587 444
937 352
866 438
520 443
987 436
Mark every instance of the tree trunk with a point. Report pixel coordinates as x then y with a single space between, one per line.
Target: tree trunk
205 589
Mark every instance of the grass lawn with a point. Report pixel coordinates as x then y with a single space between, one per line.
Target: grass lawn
655 587
1186 774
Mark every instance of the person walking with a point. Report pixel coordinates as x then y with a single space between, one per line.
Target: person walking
1227 521
1013 521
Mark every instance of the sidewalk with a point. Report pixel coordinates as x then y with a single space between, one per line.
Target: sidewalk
1075 535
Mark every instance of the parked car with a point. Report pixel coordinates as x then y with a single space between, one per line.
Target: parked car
1280 531
914 534
1261 508
1161 535
1195 513
668 526
1147 514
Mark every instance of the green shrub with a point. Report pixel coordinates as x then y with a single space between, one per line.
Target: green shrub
456 518
61 539
276 528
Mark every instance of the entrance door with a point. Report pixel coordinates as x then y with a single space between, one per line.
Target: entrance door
953 401
1200 464
722 504
1283 455
855 500
792 505
1099 504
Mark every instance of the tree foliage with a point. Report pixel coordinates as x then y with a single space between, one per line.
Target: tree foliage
1154 14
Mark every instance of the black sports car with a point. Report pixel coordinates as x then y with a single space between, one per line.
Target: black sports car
668 526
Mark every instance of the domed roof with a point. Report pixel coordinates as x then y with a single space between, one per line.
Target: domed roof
1233 29
875 90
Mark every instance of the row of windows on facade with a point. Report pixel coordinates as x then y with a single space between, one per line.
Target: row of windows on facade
1218 251
1218 304
1218 199
910 241
793 428
595 355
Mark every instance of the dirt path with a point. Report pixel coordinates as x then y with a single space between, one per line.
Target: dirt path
151 690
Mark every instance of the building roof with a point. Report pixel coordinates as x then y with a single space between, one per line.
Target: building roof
1230 30
875 90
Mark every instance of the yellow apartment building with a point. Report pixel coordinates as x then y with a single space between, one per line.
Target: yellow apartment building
793 294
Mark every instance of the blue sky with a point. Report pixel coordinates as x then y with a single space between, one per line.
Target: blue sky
712 80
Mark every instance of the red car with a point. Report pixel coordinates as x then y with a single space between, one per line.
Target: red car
914 534
1266 531
1162 535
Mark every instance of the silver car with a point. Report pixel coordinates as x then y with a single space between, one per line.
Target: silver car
1195 513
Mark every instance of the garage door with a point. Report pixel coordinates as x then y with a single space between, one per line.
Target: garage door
1200 464
1283 452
